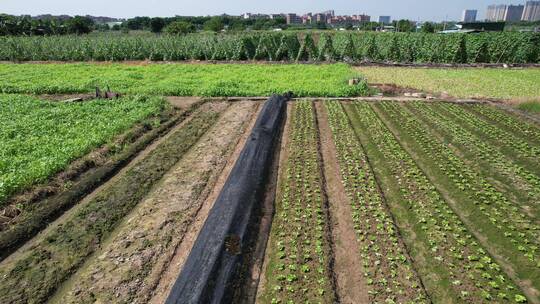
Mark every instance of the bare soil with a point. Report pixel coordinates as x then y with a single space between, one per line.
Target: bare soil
351 285
183 103
172 270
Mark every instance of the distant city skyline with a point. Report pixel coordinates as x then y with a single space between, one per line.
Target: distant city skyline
423 10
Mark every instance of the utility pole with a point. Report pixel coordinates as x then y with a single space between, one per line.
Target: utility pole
446 18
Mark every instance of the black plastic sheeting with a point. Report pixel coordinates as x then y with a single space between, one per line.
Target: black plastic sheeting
212 267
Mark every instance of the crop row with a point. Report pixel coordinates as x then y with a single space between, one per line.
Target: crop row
387 266
516 145
453 262
299 268
498 205
518 126
392 47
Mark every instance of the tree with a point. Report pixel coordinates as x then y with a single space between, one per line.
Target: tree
157 24
404 26
103 27
79 25
138 23
215 24
179 28
428 27
321 25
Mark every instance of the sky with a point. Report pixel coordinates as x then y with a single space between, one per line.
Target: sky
422 10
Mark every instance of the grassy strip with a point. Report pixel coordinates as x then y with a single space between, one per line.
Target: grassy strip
298 271
40 270
498 225
462 82
530 106
38 215
182 79
453 266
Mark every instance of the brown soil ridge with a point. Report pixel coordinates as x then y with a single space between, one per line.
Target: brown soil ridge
351 285
173 266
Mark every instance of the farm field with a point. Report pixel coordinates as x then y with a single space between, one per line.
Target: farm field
357 199
435 213
510 84
82 239
182 79
296 46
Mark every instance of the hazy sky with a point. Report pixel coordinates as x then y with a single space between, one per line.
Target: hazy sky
412 9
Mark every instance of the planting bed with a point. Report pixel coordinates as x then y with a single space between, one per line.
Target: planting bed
174 79
348 201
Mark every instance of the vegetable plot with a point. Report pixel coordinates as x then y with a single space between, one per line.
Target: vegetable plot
39 138
299 267
453 263
183 79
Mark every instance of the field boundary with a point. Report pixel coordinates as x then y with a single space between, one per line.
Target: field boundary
288 62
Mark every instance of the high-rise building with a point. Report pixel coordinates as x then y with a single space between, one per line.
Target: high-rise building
364 18
513 13
531 12
496 12
329 13
384 19
469 15
319 18
293 19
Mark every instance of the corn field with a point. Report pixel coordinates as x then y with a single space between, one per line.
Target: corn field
302 47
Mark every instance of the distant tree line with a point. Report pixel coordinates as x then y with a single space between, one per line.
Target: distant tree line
182 25
27 26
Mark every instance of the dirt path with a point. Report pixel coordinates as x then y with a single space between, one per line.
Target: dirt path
351 285
174 265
